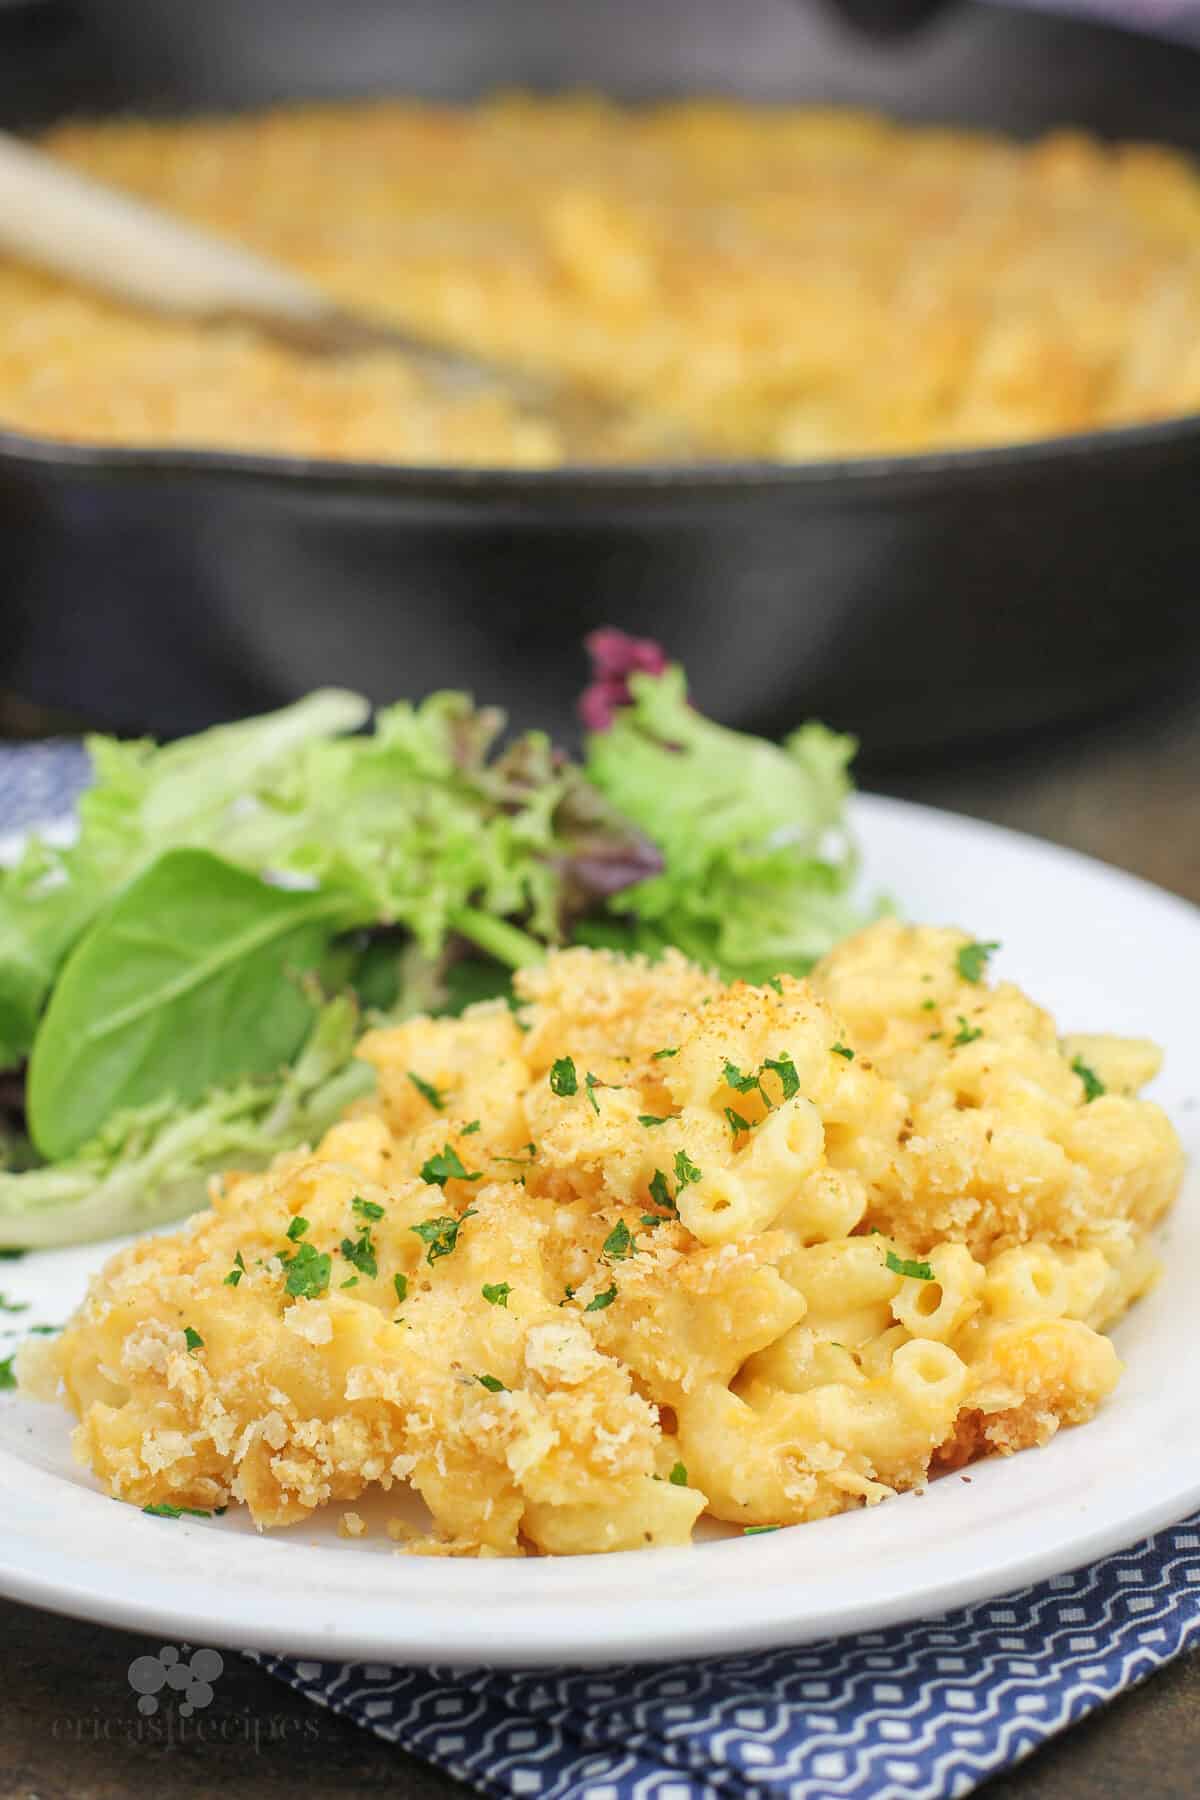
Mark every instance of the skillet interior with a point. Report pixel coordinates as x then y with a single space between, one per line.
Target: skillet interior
928 598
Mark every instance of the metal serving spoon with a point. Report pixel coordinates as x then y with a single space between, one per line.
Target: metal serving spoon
106 239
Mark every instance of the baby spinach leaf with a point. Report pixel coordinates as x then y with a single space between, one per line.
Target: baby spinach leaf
188 980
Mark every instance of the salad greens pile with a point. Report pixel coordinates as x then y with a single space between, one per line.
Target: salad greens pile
181 987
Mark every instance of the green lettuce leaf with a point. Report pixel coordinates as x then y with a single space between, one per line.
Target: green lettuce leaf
145 800
152 1165
759 870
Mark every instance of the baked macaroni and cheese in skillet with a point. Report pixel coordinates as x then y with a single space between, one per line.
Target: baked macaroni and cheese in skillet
651 1247
790 283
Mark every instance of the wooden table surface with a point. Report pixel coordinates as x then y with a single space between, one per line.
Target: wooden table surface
1127 792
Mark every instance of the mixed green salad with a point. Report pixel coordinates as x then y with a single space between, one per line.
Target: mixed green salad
181 988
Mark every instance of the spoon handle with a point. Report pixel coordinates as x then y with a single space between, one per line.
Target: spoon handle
66 222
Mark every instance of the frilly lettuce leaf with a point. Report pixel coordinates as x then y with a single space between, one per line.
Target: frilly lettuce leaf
758 869
148 1166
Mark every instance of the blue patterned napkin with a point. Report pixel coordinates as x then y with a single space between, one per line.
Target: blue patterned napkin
917 1712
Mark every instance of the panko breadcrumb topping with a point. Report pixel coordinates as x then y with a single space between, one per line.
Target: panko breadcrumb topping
655 1248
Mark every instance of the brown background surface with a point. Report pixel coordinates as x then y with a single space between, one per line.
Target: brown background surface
1127 792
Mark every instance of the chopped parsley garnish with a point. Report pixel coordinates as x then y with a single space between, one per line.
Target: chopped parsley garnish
651 1119
366 1209
659 1054
428 1092
496 1293
773 981
966 1034
7 1377
736 1121
446 1166
470 1130
929 1005
757 1530
563 1080
12 1255
620 1243
46 1330
400 1283
598 1302
492 1383
660 1193
785 1068
842 1050
238 1270
13 1306
192 1339
1093 1087
678 1476
741 1084
568 1294
972 959
440 1235
297 1228
350 1281
591 1083
308 1272
163 1510
685 1169
361 1252
650 1220
915 1271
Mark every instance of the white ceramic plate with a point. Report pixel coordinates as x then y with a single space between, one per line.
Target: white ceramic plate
1103 951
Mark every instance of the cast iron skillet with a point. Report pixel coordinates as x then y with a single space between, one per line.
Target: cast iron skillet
921 601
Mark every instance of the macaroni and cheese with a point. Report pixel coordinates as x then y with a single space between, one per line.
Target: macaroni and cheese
650 1248
781 282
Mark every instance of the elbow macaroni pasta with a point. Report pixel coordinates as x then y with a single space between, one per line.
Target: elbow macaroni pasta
760 1253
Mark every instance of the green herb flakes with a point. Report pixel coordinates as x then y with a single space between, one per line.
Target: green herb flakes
428 1092
238 1270
773 981
440 1236
842 1050
192 1339
757 1530
733 1077
361 1252
660 1191
446 1166
649 1119
297 1229
496 1293
7 1377
736 1121
966 1034
686 1170
591 1083
308 1272
563 1080
620 1243
1093 1087
598 1302
164 1510
13 1306
929 1005
400 1283
678 1476
785 1068
660 1054
492 1383
470 1130
915 1271
972 960
366 1209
